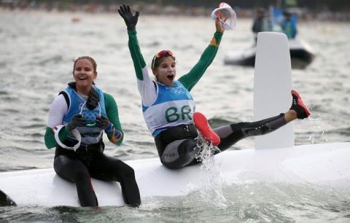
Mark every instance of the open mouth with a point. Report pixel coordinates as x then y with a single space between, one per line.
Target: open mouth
171 77
82 78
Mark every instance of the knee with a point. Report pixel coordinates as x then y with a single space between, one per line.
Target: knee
70 169
127 172
179 154
188 148
238 126
81 174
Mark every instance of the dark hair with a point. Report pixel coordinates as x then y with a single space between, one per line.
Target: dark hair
94 64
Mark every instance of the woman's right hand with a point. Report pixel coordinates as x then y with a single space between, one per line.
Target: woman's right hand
129 18
77 121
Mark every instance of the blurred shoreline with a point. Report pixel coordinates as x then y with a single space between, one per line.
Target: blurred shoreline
156 9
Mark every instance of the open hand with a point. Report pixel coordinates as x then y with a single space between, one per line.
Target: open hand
129 18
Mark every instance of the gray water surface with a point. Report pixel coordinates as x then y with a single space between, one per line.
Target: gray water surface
36 54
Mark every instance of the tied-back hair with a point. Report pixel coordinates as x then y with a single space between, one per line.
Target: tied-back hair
157 59
94 64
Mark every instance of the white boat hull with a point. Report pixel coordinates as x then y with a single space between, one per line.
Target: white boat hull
323 165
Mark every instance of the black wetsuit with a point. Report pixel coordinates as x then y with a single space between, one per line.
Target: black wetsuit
177 146
86 162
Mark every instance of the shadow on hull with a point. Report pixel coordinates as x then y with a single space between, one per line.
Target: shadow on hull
6 200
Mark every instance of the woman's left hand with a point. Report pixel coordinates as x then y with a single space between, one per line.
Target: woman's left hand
219 25
102 122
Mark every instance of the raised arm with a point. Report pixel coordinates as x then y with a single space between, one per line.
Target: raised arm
145 85
207 57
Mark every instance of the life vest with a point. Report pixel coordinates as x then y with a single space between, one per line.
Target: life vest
174 106
90 134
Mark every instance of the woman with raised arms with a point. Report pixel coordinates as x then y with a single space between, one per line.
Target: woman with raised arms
168 106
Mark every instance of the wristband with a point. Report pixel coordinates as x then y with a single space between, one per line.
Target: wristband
116 135
109 128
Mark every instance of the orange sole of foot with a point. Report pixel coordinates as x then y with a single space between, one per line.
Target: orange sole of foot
203 127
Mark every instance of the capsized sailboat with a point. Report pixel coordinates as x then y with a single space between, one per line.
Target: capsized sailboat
274 158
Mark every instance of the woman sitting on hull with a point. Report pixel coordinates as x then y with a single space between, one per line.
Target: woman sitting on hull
168 106
77 119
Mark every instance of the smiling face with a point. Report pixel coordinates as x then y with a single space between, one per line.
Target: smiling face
164 68
84 73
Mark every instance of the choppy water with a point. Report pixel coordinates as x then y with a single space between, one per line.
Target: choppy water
36 56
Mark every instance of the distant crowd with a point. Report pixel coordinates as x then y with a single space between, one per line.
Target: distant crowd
154 9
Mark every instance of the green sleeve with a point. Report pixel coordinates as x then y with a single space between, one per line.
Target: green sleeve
50 141
136 55
190 79
113 116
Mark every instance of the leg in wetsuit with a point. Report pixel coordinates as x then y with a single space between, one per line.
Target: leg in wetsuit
75 171
112 169
176 146
232 133
182 152
78 167
179 143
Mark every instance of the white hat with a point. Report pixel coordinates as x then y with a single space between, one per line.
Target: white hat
226 14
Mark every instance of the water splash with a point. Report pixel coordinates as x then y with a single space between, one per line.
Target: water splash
318 134
212 181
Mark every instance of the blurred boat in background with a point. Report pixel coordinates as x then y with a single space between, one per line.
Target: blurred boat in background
300 51
301 54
